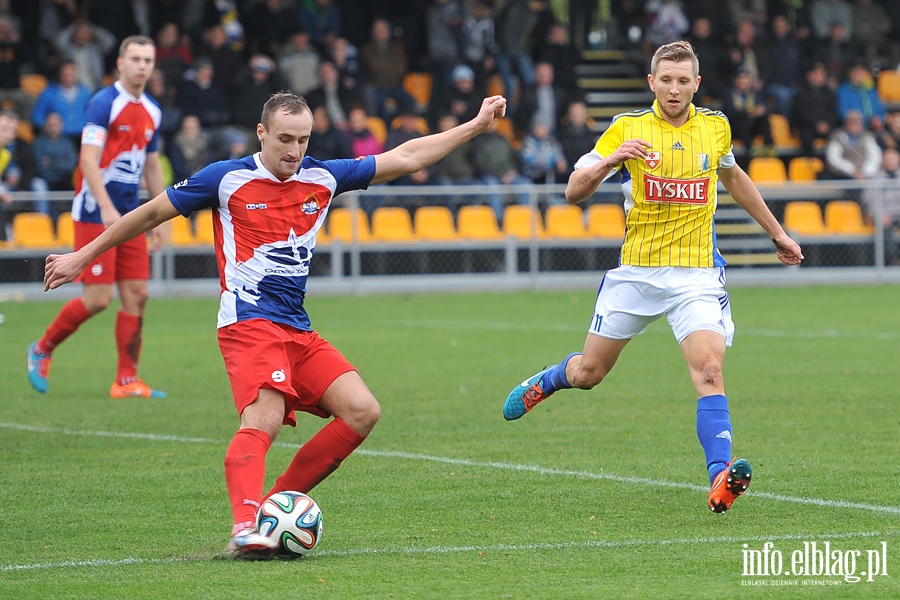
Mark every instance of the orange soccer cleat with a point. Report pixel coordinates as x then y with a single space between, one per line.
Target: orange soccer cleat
135 389
729 484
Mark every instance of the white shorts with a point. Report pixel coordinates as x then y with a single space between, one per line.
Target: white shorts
693 299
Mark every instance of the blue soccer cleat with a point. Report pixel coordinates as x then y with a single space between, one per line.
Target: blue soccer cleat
38 368
525 396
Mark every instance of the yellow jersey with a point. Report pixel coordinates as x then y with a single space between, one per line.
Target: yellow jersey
670 197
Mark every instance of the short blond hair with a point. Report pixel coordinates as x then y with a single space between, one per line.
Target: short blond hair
287 102
679 51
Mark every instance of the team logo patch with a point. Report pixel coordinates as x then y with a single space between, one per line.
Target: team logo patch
310 206
652 159
703 162
148 134
96 270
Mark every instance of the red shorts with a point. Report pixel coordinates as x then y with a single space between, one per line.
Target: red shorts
300 364
128 260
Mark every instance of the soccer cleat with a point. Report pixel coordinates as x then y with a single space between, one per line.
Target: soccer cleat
250 544
135 389
525 396
38 368
729 484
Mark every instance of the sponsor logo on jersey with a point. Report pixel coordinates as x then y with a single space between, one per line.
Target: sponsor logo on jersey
278 376
257 206
124 128
179 184
677 146
96 270
678 191
652 159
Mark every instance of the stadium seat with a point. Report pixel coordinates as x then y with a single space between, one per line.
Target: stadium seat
203 227
845 217
182 234
495 85
767 169
523 222
33 83
606 221
378 128
392 224
65 230
419 87
34 230
478 222
506 129
805 168
804 218
781 131
889 86
25 131
566 221
341 225
434 223
421 124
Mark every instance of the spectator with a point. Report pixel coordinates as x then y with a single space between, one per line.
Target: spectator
668 23
852 152
53 17
815 111
199 95
752 11
575 136
515 24
496 165
68 98
263 83
462 99
335 98
709 52
384 64
745 107
269 22
836 54
11 60
9 122
362 141
173 52
327 141
166 95
21 172
228 63
456 168
562 55
346 58
749 53
889 137
545 103
823 14
542 156
55 154
784 57
190 149
322 19
298 63
858 93
86 45
478 45
407 129
889 174
237 145
871 25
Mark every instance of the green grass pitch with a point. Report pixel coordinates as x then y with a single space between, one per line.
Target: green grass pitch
594 494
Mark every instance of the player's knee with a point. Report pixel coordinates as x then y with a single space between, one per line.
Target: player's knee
362 416
711 372
96 303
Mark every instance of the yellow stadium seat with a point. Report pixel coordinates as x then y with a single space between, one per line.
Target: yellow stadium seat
419 87
378 128
343 227
768 169
804 218
33 83
805 168
434 223
505 128
606 221
566 221
392 224
478 222
523 222
845 217
182 234
889 85
65 230
24 131
495 85
421 124
203 227
781 131
34 230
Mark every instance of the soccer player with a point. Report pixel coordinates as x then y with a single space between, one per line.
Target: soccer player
118 147
268 210
670 157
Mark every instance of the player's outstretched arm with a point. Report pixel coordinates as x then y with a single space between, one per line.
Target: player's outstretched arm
584 182
745 193
422 152
61 269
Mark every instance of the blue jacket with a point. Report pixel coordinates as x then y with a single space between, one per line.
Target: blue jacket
864 99
54 99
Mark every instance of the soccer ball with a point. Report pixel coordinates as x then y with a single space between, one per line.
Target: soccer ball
294 520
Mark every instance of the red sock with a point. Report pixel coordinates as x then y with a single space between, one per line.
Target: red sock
245 473
128 346
69 319
318 458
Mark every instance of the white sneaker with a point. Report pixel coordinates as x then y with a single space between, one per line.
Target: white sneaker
250 544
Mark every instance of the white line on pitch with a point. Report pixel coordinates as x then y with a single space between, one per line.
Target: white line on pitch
412 550
477 464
